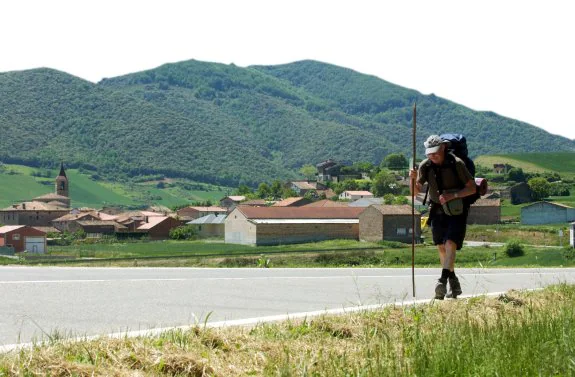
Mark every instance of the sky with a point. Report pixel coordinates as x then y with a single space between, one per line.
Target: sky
515 58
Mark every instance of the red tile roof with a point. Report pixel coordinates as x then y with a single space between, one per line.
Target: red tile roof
327 203
403 209
288 202
303 212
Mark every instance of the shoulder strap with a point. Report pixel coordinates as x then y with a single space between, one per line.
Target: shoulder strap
453 165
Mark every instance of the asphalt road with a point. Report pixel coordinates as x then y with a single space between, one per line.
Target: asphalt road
39 301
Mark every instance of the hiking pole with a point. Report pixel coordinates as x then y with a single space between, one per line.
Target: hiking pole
413 204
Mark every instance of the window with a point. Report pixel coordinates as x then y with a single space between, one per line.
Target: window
401 231
16 237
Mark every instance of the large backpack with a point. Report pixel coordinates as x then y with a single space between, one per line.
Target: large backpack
458 147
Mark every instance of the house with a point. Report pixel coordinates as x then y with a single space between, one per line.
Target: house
501 168
23 237
285 225
69 222
99 228
365 202
389 223
230 202
485 211
355 195
297 201
302 187
212 225
195 212
132 220
546 213
32 213
327 170
158 227
42 210
520 193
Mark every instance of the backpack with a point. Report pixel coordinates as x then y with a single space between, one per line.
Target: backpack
458 147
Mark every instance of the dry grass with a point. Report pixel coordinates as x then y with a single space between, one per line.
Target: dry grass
389 341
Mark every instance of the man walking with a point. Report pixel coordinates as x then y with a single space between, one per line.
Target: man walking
449 181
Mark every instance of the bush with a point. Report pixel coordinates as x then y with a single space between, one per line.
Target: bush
569 253
185 232
514 248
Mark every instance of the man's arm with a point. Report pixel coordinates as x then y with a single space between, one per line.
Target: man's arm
469 189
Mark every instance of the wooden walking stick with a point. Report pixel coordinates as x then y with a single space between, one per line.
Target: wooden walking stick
413 204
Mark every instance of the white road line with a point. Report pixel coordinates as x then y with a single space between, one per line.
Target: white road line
248 321
273 278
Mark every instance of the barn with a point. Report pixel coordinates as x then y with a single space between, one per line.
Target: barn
547 213
286 225
23 237
389 222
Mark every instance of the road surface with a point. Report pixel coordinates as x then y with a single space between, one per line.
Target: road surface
39 301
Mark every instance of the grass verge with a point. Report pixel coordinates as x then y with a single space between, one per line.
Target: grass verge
518 333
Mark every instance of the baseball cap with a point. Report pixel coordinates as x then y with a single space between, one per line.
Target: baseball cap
433 143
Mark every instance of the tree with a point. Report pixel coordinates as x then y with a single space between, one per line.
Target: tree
385 183
263 191
540 188
363 167
516 175
388 199
308 171
395 161
243 190
276 189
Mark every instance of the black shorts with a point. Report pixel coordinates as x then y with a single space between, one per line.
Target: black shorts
445 227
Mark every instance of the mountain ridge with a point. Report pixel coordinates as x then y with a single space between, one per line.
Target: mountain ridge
228 125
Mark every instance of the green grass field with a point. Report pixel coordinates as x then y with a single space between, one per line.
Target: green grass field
18 184
561 162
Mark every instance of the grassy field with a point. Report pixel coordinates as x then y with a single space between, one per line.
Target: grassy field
562 162
19 184
514 334
541 244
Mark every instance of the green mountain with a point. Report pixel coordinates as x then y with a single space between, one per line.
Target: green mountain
228 125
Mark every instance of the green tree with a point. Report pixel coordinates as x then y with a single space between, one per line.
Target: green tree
540 188
385 183
276 189
516 175
243 190
388 199
308 171
263 191
363 166
395 161
400 199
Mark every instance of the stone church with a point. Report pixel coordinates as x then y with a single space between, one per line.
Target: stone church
40 211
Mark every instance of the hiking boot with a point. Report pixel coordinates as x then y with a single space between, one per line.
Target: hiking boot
440 289
454 288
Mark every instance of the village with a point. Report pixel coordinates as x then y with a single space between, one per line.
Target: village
354 214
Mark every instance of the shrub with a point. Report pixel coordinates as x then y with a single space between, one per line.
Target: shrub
185 232
514 248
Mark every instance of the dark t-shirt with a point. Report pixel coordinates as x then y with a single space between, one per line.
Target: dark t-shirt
447 173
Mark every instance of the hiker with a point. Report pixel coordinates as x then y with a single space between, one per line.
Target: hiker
449 181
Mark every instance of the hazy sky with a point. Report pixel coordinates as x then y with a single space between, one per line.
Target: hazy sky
515 58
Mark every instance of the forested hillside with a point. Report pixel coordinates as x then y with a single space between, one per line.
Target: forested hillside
229 125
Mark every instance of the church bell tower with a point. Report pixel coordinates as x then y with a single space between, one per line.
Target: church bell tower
62 183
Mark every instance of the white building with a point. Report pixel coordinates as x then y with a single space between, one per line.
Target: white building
355 195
